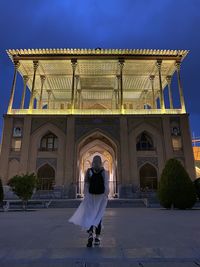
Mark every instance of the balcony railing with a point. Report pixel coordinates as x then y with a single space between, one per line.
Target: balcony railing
94 111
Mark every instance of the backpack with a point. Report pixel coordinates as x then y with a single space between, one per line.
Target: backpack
96 183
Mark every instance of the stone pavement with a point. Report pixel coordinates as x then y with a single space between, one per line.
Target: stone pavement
142 237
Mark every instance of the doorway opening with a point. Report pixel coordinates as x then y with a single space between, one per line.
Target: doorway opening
101 146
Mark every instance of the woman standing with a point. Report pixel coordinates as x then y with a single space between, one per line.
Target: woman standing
91 210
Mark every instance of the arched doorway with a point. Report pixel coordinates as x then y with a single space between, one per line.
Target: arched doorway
46 177
97 144
148 178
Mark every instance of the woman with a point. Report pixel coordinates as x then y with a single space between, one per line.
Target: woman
91 210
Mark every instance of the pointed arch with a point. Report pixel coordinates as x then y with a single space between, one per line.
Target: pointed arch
144 141
97 134
46 177
96 143
148 177
145 126
44 128
49 142
35 153
37 135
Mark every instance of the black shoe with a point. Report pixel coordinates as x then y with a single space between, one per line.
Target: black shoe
96 241
90 241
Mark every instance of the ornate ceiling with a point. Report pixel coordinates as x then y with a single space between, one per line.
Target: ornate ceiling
96 70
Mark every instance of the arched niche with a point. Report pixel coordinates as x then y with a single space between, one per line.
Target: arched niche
46 177
94 144
148 177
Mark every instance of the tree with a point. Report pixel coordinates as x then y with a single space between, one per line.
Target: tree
1 193
175 187
23 186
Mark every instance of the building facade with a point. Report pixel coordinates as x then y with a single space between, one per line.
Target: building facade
77 103
196 151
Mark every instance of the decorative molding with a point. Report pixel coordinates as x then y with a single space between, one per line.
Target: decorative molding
70 51
42 161
61 123
153 122
107 125
142 160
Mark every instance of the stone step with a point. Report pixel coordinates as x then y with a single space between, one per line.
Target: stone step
73 203
112 203
117 203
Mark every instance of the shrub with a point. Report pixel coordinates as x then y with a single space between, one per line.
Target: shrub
175 187
23 186
1 193
197 186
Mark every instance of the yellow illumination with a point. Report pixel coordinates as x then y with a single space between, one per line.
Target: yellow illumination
93 111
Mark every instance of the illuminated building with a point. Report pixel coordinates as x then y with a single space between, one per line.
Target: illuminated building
76 103
196 151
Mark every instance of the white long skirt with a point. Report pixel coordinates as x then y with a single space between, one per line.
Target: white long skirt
90 211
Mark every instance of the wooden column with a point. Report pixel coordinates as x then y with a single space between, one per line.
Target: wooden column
152 77
25 80
118 90
49 96
162 101
76 91
121 65
178 65
116 98
79 99
43 78
35 66
169 79
16 67
74 64
145 98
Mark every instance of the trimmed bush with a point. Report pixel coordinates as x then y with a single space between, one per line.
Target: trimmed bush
197 186
1 194
176 189
23 186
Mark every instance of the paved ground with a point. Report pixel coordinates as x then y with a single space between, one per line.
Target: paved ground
139 237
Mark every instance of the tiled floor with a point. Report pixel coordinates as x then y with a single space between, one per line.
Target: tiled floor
131 237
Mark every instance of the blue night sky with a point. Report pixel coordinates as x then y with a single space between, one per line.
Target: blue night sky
159 24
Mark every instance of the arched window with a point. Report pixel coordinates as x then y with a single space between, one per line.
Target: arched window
148 178
46 177
49 142
144 142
